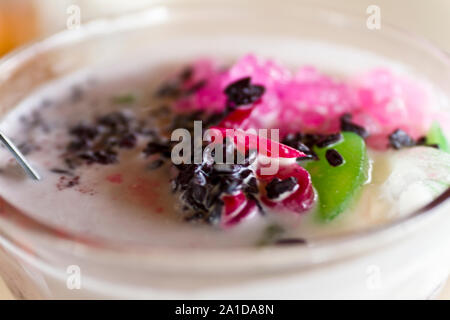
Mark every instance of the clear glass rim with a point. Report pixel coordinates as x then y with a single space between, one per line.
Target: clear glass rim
29 225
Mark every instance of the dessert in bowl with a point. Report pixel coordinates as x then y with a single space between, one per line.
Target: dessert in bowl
358 139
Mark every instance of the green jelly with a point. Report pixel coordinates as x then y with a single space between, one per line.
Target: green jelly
436 136
338 186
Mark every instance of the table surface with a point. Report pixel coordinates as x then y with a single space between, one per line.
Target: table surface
6 295
4 292
429 18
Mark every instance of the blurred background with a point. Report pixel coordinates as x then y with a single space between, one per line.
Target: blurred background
22 21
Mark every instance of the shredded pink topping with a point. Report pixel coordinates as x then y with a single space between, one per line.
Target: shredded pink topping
210 96
314 102
387 102
310 101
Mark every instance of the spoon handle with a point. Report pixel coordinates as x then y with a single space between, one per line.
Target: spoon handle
19 157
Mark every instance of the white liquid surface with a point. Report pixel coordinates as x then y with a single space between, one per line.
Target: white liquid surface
140 209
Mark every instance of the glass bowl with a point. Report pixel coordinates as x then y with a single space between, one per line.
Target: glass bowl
406 259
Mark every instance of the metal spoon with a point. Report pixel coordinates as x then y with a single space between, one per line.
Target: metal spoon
19 157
